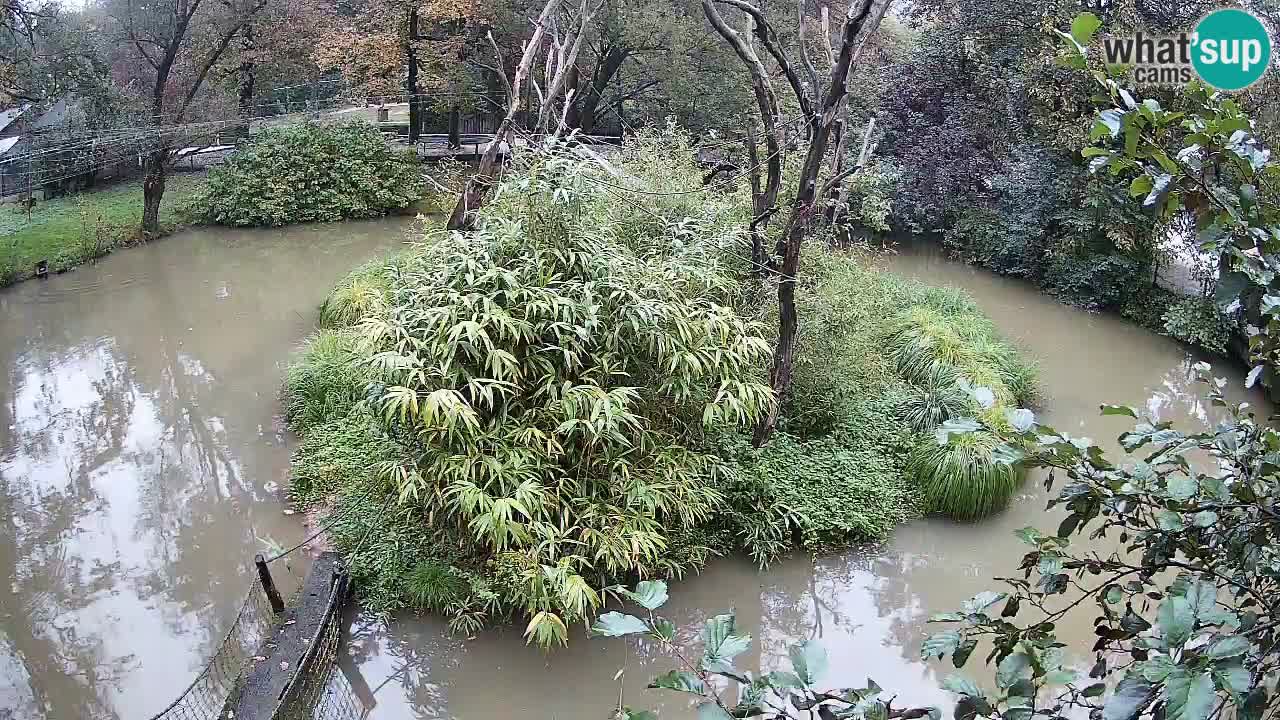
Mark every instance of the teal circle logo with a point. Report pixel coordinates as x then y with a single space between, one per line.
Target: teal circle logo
1231 49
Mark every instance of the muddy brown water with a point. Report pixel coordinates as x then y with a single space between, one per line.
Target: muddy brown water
142 455
141 458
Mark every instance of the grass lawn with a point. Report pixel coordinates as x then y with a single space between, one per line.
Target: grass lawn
75 229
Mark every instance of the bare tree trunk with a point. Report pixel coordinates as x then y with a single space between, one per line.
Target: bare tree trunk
411 82
863 18
455 126
802 209
864 155
767 103
606 69
565 57
837 191
155 168
831 211
759 205
573 114
163 59
247 74
477 187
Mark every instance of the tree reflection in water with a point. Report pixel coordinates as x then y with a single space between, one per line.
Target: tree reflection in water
139 460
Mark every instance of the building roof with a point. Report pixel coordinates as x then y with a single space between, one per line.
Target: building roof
62 113
6 144
8 116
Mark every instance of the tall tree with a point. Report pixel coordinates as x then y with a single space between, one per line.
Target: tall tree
421 51
821 106
411 81
172 47
46 52
625 31
366 42
271 61
560 55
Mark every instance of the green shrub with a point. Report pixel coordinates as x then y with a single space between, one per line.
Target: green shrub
824 492
948 300
935 400
955 361
563 398
1016 374
922 337
325 381
1199 322
878 366
963 478
668 207
9 272
984 237
546 387
447 178
1146 307
839 358
1093 281
363 293
1020 376
870 197
334 451
310 173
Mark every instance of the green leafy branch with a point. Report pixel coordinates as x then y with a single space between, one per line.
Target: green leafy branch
1204 159
775 694
1186 605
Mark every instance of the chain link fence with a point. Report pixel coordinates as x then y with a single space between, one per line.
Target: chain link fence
206 697
323 691
319 689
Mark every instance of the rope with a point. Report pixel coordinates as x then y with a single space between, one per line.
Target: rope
328 523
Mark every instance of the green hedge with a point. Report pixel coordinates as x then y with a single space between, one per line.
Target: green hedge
311 173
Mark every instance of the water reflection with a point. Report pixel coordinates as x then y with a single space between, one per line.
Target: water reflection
139 453
862 610
868 606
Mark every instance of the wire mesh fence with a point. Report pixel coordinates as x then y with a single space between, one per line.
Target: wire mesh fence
318 690
340 701
323 691
55 157
206 697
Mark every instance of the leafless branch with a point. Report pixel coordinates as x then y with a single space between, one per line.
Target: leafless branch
840 177
826 35
764 33
501 69
804 48
474 192
764 197
566 56
216 54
